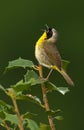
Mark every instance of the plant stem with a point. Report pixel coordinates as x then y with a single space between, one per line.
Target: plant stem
45 99
18 113
6 126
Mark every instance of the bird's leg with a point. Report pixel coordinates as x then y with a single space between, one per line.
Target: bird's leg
38 67
49 74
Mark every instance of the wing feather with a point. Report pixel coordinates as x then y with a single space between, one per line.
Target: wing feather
53 54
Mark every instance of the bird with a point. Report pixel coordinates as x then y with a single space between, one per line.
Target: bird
48 55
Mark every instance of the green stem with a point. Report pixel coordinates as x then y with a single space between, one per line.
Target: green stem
45 99
6 126
18 113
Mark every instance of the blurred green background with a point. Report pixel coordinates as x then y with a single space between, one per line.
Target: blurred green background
21 24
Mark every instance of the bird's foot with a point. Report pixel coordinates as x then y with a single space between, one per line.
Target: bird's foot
44 79
36 67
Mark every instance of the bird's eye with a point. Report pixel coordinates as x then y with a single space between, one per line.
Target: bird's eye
49 33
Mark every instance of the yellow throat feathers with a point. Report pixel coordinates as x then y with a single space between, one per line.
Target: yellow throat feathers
41 39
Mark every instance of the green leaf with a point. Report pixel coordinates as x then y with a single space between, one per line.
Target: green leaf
33 78
2 115
30 78
30 75
44 127
1 121
65 64
53 113
59 117
50 87
21 86
30 98
63 90
19 63
32 125
5 104
2 88
28 115
13 128
12 118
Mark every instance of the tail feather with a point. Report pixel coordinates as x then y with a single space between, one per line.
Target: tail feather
66 76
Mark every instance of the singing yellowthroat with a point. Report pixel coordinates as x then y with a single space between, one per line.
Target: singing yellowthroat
47 54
